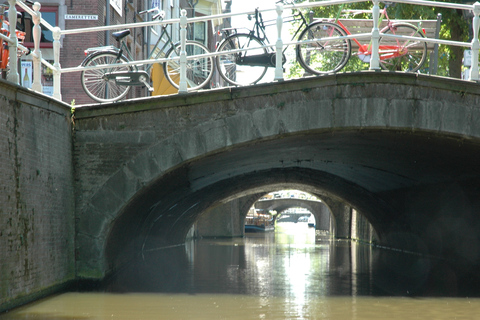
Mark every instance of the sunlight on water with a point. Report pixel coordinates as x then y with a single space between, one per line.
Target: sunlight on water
288 274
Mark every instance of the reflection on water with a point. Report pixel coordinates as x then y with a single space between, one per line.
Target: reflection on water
283 275
216 306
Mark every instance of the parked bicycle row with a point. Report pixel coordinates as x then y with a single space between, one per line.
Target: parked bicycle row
243 57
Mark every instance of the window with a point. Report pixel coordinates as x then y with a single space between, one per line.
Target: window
25 23
198 29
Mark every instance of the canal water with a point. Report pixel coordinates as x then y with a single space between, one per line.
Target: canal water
291 273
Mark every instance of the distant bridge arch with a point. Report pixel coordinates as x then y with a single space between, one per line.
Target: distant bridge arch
317 208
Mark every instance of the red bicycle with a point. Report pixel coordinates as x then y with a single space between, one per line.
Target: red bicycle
331 53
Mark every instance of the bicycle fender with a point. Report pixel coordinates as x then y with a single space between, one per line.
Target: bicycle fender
235 34
400 24
95 52
188 41
102 48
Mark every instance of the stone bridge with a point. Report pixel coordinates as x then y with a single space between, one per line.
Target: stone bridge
401 149
317 208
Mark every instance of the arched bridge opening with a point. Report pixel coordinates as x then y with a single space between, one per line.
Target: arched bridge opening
316 209
402 150
163 214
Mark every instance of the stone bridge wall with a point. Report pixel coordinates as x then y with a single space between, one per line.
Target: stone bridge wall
122 151
36 196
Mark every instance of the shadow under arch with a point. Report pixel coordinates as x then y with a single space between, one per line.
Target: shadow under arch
162 215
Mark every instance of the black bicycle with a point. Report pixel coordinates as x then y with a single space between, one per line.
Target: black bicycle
323 49
239 66
113 81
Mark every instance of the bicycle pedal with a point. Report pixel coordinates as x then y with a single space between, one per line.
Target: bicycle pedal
145 82
149 87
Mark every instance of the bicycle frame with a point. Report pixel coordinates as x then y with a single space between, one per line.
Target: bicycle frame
136 76
156 51
111 71
258 31
324 46
259 24
387 52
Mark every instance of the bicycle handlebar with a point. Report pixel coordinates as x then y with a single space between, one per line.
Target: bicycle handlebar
286 2
159 13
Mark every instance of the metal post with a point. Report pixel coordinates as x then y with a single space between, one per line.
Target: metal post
57 93
13 64
434 54
279 46
183 53
375 60
37 56
475 43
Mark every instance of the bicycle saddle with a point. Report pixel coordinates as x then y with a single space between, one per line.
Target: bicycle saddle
120 34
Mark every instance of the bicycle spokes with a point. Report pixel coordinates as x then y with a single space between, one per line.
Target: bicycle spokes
401 54
323 50
199 69
242 68
104 85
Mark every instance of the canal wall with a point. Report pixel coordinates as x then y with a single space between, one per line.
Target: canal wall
36 196
222 221
225 220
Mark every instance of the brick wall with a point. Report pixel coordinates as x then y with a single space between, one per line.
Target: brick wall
36 196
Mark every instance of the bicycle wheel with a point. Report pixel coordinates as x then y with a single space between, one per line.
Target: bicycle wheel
199 70
230 65
402 54
323 56
96 84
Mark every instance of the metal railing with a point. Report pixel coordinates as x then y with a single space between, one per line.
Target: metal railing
13 75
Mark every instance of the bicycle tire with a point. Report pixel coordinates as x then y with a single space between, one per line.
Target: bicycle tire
323 56
94 83
237 74
199 70
413 52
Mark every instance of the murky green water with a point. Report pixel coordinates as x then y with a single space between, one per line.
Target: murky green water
289 274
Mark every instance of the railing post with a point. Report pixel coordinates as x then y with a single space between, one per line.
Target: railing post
375 59
183 54
434 54
279 45
37 56
57 93
13 64
475 43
